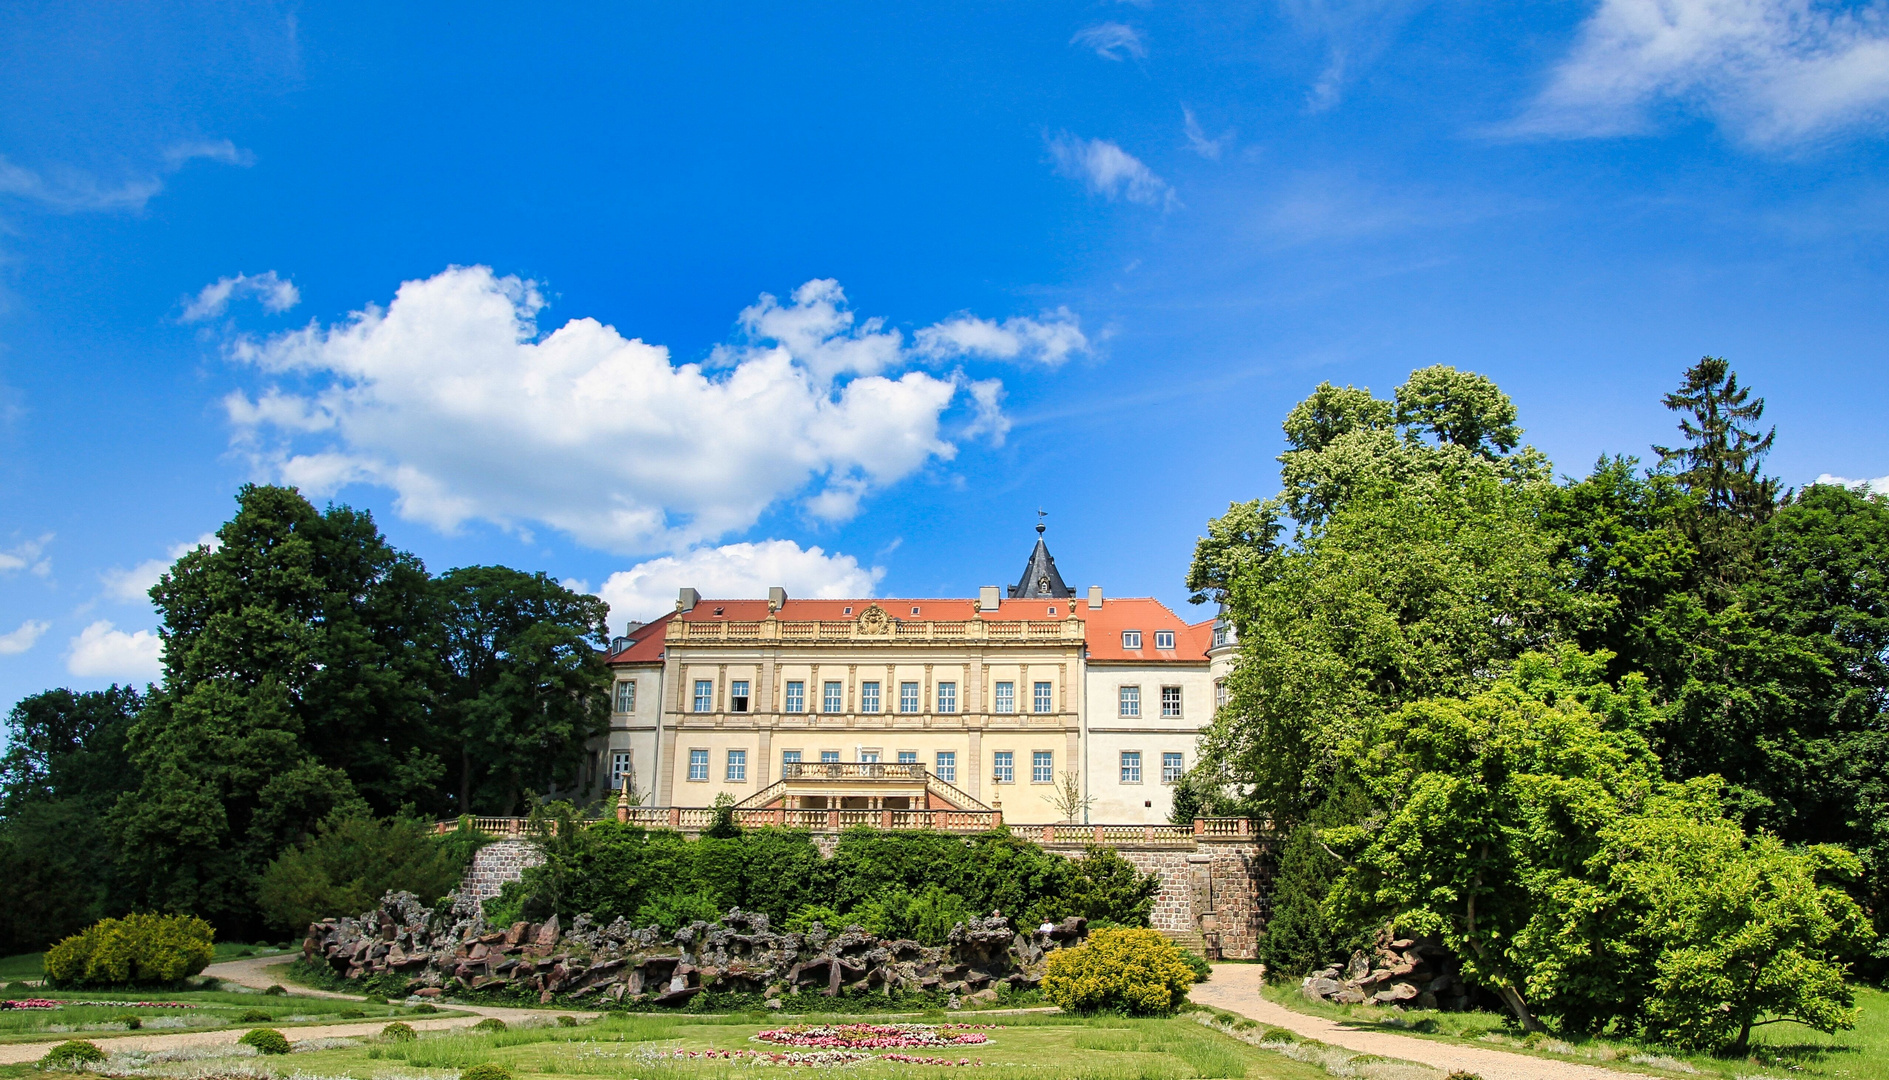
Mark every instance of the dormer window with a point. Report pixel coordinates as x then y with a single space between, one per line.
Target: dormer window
718 611
1131 639
1052 609
914 609
1164 639
846 611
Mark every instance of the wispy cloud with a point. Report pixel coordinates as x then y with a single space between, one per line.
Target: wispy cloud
1197 139
1049 341
1109 171
27 555
135 584
1879 486
69 191
1770 71
276 294
18 641
1111 40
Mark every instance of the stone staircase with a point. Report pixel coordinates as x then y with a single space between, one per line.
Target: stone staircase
1187 939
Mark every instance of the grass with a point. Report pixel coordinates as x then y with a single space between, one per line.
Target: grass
1861 1053
633 1047
214 1009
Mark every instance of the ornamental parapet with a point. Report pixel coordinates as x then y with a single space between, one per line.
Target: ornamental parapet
878 631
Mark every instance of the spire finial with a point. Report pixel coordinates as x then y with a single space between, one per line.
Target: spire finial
1040 515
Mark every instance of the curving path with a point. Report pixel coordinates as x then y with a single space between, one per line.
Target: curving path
1235 988
256 972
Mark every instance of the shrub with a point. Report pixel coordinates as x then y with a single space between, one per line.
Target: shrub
353 860
275 990
254 1016
804 918
1202 970
351 1014
17 985
676 910
399 1032
375 999
132 951
490 1023
132 1023
1107 888
1127 970
486 1070
71 1055
426 1007
266 1041
567 1021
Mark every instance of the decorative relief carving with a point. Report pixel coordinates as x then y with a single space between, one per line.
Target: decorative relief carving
874 621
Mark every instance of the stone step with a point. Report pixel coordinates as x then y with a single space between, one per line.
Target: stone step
1187 939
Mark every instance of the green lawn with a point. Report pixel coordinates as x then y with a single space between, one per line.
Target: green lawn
1861 1053
640 1047
213 1009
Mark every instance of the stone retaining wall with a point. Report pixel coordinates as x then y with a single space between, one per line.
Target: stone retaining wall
497 863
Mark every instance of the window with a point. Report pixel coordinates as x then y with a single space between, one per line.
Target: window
1003 767
1171 768
947 769
1131 701
1042 697
789 757
908 757
829 757
869 697
908 697
1170 701
619 767
626 696
737 767
1042 766
830 697
738 696
704 695
698 764
1131 639
1131 766
1220 694
869 757
796 696
1219 635
1006 697
1164 639
947 697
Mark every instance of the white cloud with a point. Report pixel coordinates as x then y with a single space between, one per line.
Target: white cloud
452 397
1111 40
735 571
276 294
135 584
1880 485
1108 170
1197 139
69 190
22 639
1050 340
103 652
1773 71
27 555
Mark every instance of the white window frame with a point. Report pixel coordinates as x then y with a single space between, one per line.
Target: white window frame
1219 693
737 770
1131 766
1005 698
1173 692
1131 639
908 697
869 696
1173 767
704 695
698 765
1043 697
626 695
1003 767
738 697
622 763
1042 766
789 757
1164 639
947 697
946 766
908 757
829 757
832 696
1128 699
868 757
796 695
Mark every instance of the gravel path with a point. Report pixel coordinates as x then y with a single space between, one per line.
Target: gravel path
1235 988
261 972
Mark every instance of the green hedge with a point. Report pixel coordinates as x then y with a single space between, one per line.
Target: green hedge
137 950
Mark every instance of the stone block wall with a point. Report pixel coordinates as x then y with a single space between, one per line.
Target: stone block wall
497 863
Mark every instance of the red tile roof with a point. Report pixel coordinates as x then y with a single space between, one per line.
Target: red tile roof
1103 626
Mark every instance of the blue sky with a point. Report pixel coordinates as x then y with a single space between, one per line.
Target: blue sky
646 296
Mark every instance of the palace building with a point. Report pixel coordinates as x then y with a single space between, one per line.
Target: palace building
898 705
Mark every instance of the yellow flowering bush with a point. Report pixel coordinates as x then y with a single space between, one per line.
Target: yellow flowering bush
137 950
1137 972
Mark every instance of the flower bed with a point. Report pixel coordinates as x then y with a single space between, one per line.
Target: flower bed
49 1003
812 1059
910 1059
875 1036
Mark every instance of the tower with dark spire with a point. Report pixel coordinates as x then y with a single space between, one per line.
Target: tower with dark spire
1040 580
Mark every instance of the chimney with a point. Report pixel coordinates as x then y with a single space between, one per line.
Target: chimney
1095 597
687 599
987 598
631 627
776 596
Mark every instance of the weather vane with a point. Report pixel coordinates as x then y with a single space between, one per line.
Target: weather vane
1040 515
